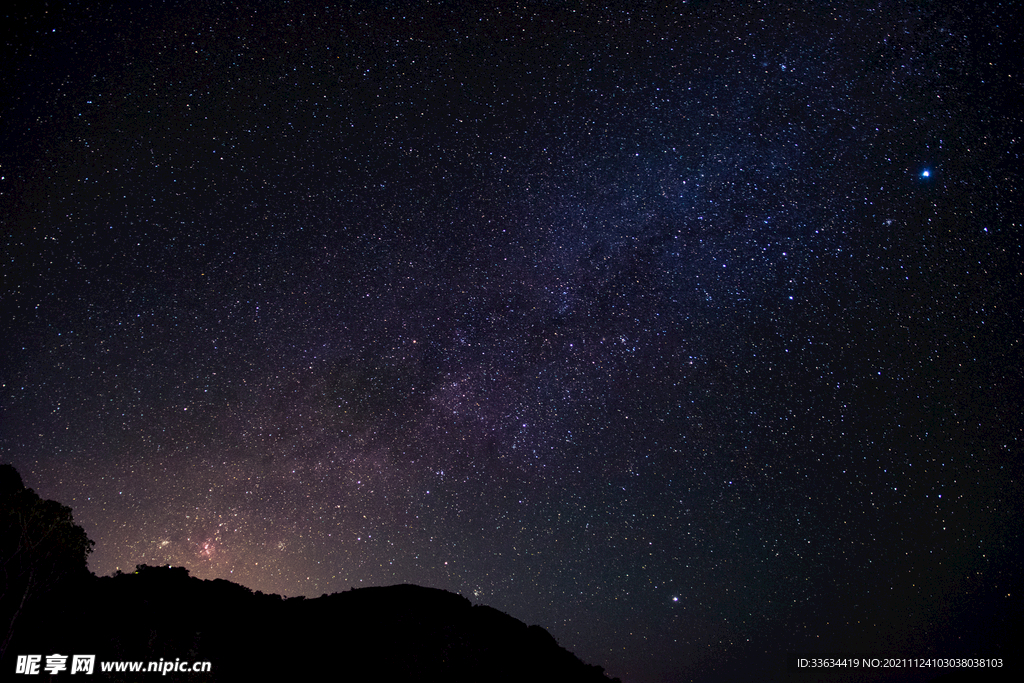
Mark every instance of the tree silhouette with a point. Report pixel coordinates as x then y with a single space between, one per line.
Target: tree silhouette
40 548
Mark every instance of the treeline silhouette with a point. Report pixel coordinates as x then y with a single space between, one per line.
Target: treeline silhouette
51 604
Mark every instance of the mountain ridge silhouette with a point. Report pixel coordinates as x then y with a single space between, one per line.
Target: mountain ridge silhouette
154 614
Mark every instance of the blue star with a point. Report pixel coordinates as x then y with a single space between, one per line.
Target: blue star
925 173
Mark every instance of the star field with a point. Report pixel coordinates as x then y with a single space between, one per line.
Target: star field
692 334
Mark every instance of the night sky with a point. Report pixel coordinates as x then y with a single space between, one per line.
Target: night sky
691 333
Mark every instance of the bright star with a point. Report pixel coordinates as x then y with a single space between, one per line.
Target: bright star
925 173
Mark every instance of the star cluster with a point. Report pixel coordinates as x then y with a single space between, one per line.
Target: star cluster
689 334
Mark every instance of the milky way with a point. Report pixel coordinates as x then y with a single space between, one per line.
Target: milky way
691 335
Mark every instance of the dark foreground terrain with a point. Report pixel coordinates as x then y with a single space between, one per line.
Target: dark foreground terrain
50 604
395 633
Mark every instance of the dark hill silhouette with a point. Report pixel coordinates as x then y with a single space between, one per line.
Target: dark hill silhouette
396 633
